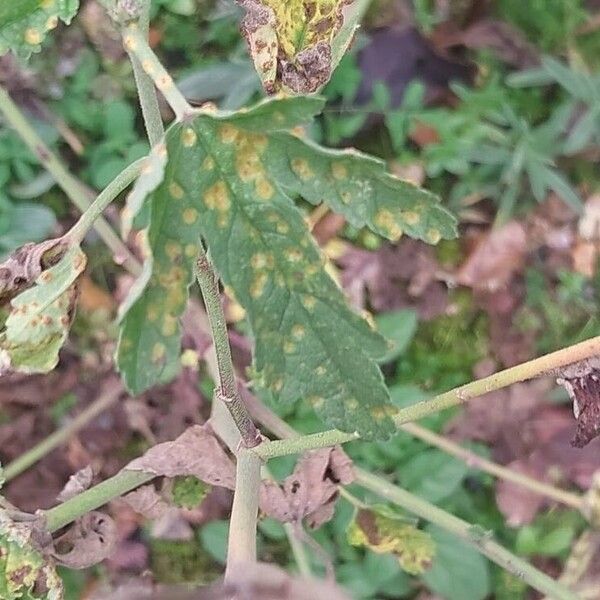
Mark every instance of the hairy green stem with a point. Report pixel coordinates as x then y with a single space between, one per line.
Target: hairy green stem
145 85
474 460
104 198
227 390
73 188
121 483
136 45
241 547
481 540
460 395
102 403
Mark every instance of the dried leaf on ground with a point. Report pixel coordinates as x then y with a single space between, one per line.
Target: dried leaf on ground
582 382
383 531
403 276
78 482
196 451
260 581
505 41
88 541
518 504
497 256
311 491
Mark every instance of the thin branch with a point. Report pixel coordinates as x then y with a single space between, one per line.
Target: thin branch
104 198
136 44
73 188
145 86
478 462
241 547
102 403
455 397
121 483
481 540
226 390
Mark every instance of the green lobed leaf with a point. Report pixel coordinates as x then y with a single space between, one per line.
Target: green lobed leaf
41 316
24 23
228 179
24 572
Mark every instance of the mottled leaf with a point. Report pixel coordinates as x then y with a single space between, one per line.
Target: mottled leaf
88 541
195 452
291 42
25 573
311 491
41 316
24 23
384 531
228 179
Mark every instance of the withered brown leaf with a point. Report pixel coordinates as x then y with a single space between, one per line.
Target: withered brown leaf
311 491
582 382
196 451
88 541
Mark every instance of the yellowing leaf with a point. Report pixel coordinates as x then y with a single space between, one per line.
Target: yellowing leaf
383 532
24 572
41 316
290 42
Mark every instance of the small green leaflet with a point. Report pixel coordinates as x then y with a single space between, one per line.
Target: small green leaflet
41 316
228 179
24 23
23 569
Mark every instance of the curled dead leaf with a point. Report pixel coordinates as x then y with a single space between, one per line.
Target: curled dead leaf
582 382
78 482
88 541
147 501
311 491
24 265
196 451
497 256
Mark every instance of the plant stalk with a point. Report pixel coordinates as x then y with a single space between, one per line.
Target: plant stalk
241 547
460 395
481 540
121 483
72 187
474 460
227 389
104 198
102 403
145 86
137 46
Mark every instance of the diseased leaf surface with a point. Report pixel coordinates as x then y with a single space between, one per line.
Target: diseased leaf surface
228 180
24 23
41 316
23 568
384 531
